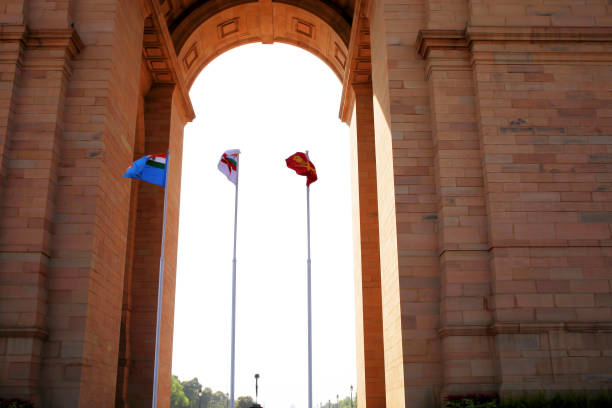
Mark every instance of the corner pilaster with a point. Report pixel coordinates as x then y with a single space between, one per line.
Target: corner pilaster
30 159
467 350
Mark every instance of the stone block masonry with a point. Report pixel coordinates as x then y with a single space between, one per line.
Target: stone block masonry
481 145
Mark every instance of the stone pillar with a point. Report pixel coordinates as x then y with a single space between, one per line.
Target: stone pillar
467 348
13 268
123 358
12 39
407 206
546 151
370 355
181 115
85 273
28 195
125 352
164 124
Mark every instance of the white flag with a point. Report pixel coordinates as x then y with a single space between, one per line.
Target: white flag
228 165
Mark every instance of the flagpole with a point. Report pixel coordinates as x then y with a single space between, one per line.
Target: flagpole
160 289
234 287
309 296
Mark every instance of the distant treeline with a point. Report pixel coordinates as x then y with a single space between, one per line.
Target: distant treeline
191 394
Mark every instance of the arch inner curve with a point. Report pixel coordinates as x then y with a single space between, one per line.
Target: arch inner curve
209 31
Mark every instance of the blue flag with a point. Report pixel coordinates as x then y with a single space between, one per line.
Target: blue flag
151 169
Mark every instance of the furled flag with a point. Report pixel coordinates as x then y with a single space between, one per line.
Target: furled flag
302 166
151 168
228 165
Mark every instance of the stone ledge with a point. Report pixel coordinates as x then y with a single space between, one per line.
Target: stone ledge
427 40
23 256
524 328
68 38
480 33
440 39
24 332
13 32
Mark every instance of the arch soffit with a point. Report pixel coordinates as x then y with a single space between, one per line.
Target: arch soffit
189 19
249 22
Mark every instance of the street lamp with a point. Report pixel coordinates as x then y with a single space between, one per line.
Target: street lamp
351 396
337 401
256 388
199 399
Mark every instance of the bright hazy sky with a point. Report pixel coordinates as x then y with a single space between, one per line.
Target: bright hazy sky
269 101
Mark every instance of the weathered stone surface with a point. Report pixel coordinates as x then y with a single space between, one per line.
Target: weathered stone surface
482 188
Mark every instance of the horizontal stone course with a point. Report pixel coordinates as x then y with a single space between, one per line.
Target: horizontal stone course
488 147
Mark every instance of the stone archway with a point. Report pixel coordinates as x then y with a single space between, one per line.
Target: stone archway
199 36
482 187
89 86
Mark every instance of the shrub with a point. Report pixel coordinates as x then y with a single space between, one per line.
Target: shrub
15 403
565 400
472 401
539 400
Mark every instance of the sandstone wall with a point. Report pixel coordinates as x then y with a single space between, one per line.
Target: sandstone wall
482 191
495 116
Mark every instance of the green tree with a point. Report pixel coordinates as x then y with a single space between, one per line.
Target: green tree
343 403
186 394
346 403
219 400
177 395
206 398
192 389
244 402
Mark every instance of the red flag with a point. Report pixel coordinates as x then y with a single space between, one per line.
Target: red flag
302 166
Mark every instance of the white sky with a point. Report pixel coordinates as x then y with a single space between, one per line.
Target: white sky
269 101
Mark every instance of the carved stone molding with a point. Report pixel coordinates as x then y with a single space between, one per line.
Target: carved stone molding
444 50
539 45
358 65
161 57
24 332
66 43
479 33
68 39
13 32
266 21
446 331
327 12
12 38
525 328
184 24
440 39
155 55
231 26
304 28
453 39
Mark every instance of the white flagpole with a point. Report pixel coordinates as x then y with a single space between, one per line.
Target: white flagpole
160 290
309 297
234 287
